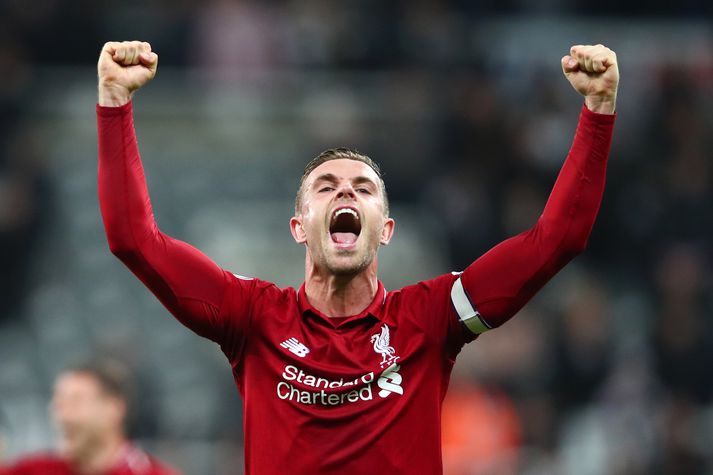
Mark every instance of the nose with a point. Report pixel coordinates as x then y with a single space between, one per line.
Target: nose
345 190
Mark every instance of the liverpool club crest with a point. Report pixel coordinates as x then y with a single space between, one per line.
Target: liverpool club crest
383 348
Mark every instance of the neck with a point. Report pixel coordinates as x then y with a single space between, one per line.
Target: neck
340 295
100 458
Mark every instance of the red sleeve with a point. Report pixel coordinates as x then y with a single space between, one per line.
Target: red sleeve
494 287
187 282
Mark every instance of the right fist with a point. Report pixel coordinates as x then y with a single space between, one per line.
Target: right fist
123 68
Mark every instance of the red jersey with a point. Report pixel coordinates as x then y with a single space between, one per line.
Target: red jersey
133 461
352 395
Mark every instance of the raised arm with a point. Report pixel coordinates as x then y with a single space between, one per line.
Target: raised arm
498 284
187 282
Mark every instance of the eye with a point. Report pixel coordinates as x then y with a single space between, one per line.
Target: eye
325 189
363 190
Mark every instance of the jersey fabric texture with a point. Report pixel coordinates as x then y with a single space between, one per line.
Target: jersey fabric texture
350 395
133 461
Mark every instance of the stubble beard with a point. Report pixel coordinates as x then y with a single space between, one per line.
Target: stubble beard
349 269
359 260
77 446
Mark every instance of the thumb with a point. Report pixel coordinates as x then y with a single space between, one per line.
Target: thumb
148 59
569 64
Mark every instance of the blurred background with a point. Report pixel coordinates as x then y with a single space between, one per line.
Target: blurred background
608 371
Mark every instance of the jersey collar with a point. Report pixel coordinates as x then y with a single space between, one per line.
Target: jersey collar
374 309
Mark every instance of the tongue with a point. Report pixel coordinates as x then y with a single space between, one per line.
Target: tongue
344 238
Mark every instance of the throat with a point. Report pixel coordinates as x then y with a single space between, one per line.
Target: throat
334 297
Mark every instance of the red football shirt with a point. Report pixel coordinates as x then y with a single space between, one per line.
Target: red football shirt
326 397
133 461
361 394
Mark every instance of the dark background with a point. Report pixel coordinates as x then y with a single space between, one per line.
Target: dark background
607 371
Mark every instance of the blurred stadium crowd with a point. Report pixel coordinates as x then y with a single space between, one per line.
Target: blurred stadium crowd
608 371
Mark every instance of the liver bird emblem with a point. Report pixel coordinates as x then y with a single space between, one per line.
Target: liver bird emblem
382 347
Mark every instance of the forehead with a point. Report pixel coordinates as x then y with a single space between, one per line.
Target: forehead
343 168
75 383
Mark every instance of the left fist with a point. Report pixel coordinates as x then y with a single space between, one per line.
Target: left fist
594 73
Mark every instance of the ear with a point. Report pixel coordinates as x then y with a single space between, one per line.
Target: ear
387 231
117 411
121 409
298 233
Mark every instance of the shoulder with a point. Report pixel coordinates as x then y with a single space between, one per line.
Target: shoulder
254 284
255 289
137 462
426 289
40 464
159 468
427 300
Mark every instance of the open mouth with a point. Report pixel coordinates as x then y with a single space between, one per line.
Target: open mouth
345 226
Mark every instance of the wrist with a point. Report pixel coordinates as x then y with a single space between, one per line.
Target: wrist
113 95
601 104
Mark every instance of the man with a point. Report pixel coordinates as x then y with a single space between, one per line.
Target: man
89 409
343 376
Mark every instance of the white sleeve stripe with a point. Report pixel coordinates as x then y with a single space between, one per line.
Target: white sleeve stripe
467 314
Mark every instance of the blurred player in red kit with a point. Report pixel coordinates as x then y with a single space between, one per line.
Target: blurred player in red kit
343 376
89 407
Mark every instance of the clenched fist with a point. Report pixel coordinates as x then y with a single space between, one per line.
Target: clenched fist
123 68
594 73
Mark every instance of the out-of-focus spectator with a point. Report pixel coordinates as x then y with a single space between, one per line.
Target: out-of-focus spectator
583 345
24 206
232 37
89 408
681 339
464 123
481 431
685 444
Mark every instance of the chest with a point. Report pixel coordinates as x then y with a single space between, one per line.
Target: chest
305 360
354 346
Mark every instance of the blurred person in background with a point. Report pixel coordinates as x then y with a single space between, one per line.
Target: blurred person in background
582 346
481 431
25 208
89 408
339 375
683 358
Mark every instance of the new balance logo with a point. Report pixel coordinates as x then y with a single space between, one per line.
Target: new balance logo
295 347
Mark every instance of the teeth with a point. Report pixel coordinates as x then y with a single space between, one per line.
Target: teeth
346 210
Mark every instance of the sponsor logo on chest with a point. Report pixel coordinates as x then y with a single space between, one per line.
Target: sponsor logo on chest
302 387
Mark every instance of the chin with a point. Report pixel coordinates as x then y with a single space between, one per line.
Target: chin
70 449
344 271
349 266
74 443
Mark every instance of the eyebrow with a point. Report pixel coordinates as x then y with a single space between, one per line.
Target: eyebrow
332 178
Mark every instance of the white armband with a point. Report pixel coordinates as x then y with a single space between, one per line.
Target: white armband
465 310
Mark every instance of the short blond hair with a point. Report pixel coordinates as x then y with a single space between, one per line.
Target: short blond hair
336 154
